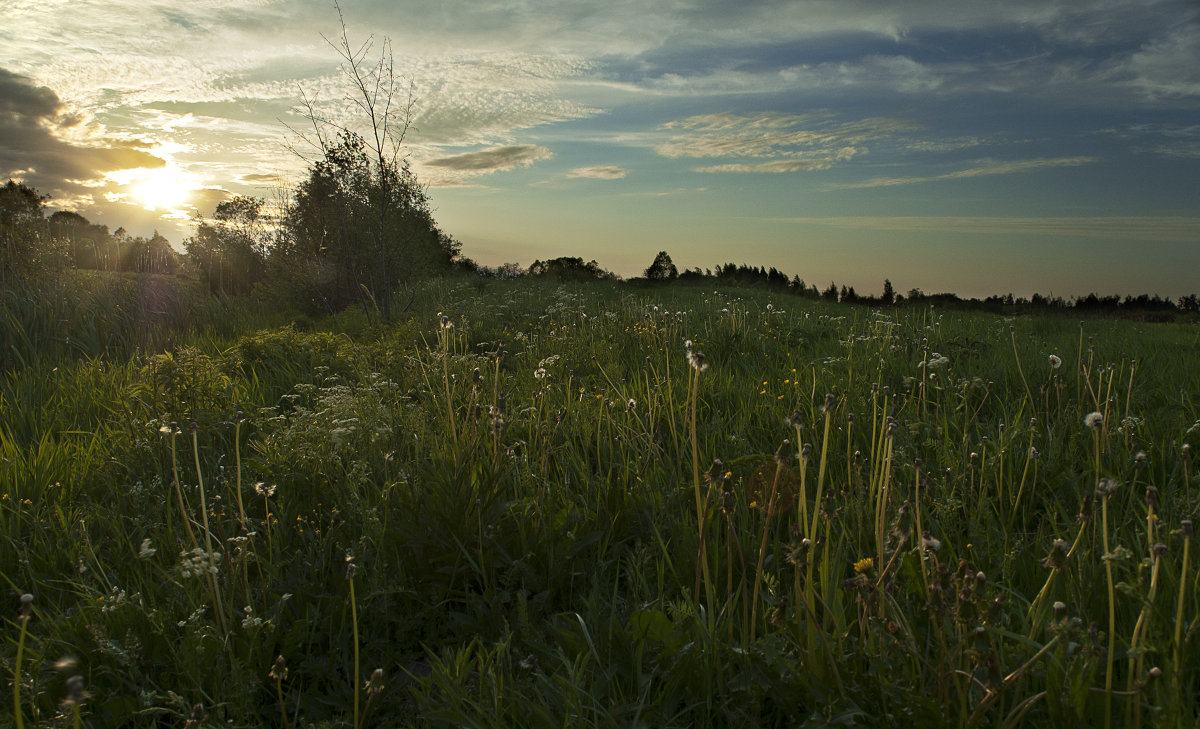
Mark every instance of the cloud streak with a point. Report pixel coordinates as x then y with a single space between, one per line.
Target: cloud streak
1144 228
599 172
983 170
491 160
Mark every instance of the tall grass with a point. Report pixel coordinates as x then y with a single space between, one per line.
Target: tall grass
559 512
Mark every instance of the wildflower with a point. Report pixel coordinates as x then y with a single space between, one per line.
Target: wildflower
863 565
278 670
199 562
631 405
264 490
197 717
75 693
146 551
374 685
1093 420
1055 361
539 373
697 360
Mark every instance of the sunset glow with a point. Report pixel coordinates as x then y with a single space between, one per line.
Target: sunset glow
164 189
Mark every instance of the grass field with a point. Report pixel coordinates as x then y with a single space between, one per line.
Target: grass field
526 504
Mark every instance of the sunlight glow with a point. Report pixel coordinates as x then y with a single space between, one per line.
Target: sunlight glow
167 188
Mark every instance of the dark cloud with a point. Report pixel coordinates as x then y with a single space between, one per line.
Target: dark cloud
35 142
259 178
491 160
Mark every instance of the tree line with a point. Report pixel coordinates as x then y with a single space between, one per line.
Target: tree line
663 271
34 244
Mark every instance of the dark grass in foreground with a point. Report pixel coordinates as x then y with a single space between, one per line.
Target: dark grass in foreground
509 503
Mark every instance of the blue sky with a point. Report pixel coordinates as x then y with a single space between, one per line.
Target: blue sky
974 147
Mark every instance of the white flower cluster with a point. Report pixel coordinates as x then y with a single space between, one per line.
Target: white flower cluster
198 563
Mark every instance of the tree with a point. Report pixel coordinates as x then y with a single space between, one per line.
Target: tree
889 294
229 251
568 268
361 216
24 236
358 230
662 269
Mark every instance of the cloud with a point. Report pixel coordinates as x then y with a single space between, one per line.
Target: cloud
599 172
1145 228
1168 66
786 165
988 168
787 142
771 134
455 167
43 142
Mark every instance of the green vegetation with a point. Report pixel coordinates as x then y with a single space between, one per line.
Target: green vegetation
532 503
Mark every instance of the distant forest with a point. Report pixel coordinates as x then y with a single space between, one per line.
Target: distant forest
312 254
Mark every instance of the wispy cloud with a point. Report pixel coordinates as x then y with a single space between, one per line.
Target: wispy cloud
783 165
796 142
599 172
985 169
1145 228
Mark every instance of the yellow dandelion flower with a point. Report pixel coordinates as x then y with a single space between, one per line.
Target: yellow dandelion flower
864 565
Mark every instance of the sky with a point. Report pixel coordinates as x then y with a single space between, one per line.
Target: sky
979 148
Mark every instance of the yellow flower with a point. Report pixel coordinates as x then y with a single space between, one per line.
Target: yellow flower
864 565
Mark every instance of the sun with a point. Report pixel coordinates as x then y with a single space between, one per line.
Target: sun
165 188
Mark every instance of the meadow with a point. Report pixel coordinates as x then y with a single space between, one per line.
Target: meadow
524 503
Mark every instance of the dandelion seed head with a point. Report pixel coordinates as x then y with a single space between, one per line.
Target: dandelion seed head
1093 419
1055 361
